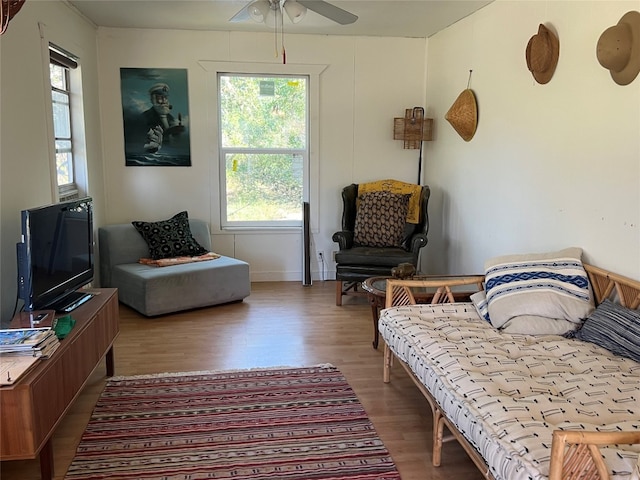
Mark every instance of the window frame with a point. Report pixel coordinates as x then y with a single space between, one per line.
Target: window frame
67 61
223 151
311 192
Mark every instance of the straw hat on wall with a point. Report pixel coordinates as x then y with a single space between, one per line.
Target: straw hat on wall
542 54
618 49
463 115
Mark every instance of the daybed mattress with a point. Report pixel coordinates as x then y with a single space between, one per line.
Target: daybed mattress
507 393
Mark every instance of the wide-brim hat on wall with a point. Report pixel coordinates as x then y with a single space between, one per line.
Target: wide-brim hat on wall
618 49
542 54
463 115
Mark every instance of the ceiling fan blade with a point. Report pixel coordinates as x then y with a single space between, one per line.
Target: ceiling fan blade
332 12
242 15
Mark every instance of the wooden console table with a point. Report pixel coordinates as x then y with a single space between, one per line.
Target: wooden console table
32 408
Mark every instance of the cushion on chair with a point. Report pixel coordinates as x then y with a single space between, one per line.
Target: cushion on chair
380 219
375 256
396 186
156 291
170 238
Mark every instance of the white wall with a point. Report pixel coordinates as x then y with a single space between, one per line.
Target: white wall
551 165
25 179
366 83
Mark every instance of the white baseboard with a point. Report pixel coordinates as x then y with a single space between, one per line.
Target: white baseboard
289 276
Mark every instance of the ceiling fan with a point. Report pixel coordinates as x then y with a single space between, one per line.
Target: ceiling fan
266 11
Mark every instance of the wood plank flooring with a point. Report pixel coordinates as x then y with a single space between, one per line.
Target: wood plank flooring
280 323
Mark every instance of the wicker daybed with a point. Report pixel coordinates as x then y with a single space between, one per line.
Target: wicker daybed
522 406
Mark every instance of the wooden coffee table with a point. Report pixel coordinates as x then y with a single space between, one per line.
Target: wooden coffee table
376 288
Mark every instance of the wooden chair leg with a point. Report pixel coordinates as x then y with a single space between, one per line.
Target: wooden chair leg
438 434
339 293
387 364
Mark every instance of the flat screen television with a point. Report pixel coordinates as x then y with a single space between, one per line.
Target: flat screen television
55 255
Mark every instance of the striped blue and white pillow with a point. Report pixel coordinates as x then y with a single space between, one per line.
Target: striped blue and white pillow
551 285
615 328
479 300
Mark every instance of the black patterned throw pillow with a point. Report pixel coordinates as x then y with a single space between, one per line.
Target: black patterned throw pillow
170 238
380 219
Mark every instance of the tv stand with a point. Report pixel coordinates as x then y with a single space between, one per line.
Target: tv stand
32 407
71 302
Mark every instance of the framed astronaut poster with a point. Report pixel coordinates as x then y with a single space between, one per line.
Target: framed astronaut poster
155 110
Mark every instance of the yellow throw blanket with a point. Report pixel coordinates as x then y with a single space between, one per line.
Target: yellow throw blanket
165 262
396 186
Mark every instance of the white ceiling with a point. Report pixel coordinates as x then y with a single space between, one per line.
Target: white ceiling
397 18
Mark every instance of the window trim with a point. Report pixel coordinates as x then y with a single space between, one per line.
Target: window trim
225 223
67 63
57 55
63 42
311 195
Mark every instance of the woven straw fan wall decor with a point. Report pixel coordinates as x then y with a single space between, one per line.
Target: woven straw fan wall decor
463 115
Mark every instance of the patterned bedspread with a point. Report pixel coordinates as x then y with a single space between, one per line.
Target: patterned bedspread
507 393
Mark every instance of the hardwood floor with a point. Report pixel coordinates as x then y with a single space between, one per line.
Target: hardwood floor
280 323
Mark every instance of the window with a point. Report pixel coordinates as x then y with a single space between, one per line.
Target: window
60 66
264 154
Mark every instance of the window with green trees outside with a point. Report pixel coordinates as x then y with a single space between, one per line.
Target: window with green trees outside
264 149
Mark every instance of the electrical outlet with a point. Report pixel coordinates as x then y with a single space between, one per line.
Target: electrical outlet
320 257
333 256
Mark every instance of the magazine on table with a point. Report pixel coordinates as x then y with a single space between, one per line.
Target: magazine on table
43 349
15 339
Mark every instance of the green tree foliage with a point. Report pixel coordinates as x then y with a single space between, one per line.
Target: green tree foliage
252 120
266 115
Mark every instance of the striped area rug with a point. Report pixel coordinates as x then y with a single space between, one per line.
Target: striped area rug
280 423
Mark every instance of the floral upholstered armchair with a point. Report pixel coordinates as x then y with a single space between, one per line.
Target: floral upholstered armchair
384 224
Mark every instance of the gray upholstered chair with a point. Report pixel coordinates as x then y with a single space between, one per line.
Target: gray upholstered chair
156 291
356 262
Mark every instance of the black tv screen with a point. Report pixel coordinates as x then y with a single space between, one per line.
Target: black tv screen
55 255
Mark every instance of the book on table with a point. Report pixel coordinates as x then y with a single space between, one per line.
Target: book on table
37 342
22 348
16 339
43 349
46 348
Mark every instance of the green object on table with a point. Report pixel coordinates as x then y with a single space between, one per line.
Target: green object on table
63 325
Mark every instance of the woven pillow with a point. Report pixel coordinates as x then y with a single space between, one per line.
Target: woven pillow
615 328
170 238
552 285
537 325
524 324
380 219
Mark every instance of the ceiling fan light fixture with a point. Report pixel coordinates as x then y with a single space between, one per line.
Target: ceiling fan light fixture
259 10
274 18
295 11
